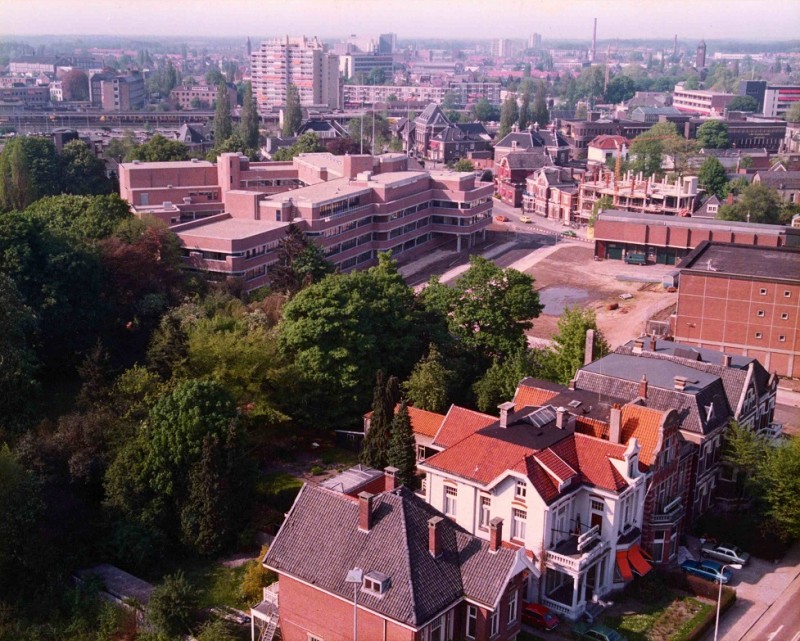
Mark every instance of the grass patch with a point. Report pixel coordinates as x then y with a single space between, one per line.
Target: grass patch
218 585
686 630
671 621
279 490
339 456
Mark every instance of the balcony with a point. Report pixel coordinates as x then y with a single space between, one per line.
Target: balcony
671 513
773 431
576 552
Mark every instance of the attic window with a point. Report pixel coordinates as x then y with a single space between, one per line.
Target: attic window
709 412
574 403
376 582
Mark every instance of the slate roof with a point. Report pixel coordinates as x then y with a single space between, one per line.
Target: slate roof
320 542
432 115
460 423
779 179
702 210
530 160
702 406
474 129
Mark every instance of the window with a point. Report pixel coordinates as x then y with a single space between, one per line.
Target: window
437 630
472 621
450 496
494 624
376 582
658 545
518 524
787 293
597 506
785 316
485 512
313 637
782 338
521 490
760 313
758 334
512 606
762 291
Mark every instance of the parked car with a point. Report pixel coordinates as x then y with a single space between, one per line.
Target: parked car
569 233
724 552
501 219
540 616
599 632
525 219
709 570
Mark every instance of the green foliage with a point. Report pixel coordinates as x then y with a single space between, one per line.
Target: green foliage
713 134
81 217
375 448
560 363
293 114
338 332
463 165
779 476
83 172
487 309
158 149
713 178
403 448
29 170
484 111
524 112
223 127
232 144
428 386
757 204
216 631
171 606
500 381
308 143
361 129
248 123
620 88
649 147
539 112
603 203
300 263
793 115
743 103
256 577
509 114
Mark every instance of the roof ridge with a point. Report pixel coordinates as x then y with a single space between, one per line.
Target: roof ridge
404 525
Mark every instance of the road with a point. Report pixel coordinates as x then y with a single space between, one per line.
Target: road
781 622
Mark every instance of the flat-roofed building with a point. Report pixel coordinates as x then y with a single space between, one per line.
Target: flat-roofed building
699 101
201 95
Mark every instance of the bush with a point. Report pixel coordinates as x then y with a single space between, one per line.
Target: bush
317 470
279 490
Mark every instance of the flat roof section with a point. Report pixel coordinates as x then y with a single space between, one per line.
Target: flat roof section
617 215
169 164
320 193
747 261
232 229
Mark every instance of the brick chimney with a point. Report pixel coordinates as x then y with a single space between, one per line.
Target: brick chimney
726 360
653 343
505 408
561 412
495 534
680 383
365 511
643 387
615 423
435 536
572 383
390 478
638 346
588 348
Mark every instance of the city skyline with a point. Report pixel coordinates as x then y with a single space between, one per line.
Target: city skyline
466 19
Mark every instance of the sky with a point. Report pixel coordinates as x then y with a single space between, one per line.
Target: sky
689 19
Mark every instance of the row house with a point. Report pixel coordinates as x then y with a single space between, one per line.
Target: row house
551 192
388 566
459 141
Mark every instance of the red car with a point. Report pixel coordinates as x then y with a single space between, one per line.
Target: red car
501 219
539 616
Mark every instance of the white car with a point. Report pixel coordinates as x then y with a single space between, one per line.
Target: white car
724 552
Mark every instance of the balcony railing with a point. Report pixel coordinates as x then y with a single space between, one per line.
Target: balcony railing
576 560
670 514
772 431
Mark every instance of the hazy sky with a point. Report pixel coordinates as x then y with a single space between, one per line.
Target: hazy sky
691 19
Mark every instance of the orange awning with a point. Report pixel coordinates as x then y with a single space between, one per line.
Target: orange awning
639 563
624 567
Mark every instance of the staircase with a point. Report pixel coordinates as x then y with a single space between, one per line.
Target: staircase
268 633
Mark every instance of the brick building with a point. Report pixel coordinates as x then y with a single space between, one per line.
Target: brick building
117 92
551 192
742 299
207 96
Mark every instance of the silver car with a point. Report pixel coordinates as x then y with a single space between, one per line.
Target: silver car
724 552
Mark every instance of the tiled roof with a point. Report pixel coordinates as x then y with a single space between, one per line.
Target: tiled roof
526 160
320 542
643 424
605 141
779 179
534 393
432 115
592 458
424 422
591 427
460 423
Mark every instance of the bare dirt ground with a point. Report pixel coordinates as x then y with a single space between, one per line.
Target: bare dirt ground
573 267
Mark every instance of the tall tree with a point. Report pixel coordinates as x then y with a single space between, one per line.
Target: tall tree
524 112
29 169
75 84
508 116
292 113
743 103
484 111
84 173
300 262
428 386
375 448
540 115
248 124
223 128
159 149
713 134
499 382
566 357
402 448
171 606
757 204
648 148
712 177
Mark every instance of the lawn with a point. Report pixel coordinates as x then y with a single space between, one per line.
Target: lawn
217 585
670 620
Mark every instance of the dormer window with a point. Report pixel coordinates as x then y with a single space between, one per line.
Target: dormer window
376 583
520 490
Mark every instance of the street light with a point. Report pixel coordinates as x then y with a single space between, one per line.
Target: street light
355 577
734 566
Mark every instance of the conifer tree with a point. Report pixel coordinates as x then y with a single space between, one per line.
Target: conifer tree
402 448
293 113
248 125
375 449
222 116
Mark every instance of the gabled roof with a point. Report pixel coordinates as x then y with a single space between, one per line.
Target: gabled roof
474 129
612 143
532 392
424 422
643 424
460 423
320 542
432 115
529 160
779 179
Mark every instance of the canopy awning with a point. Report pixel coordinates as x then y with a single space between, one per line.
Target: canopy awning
637 560
624 566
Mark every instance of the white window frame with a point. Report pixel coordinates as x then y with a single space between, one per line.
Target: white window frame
520 489
472 617
450 500
494 624
519 520
484 512
314 637
513 603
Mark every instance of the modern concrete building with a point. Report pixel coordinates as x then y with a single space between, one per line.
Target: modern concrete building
302 62
778 99
742 299
206 96
699 101
115 92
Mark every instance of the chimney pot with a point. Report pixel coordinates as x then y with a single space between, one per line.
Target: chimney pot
390 477
615 424
643 387
638 346
495 534
435 536
572 383
653 343
505 408
365 511
560 413
680 383
726 360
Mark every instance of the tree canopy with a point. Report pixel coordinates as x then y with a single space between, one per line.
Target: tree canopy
293 113
713 178
248 122
29 170
757 204
713 134
223 127
566 357
743 103
158 149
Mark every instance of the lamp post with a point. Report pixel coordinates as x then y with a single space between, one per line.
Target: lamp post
355 577
734 566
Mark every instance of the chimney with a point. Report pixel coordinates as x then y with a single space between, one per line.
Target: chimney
588 349
615 423
726 360
653 343
560 413
680 383
643 387
505 408
638 346
435 536
390 478
365 511
495 534
572 383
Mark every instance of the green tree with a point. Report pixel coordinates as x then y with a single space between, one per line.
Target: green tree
81 217
509 114
450 100
603 203
300 263
713 134
566 357
216 631
223 128
403 448
540 114
361 131
171 606
29 170
375 448
757 204
524 112
484 111
214 77
743 103
84 173
463 164
488 308
713 178
500 381
428 387
292 114
256 578
159 149
780 478
648 148
248 123
793 115
308 143
620 88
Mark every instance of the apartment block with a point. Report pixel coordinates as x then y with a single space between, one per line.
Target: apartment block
698 101
185 96
778 99
115 92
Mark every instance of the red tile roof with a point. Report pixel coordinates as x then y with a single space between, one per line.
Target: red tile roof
591 427
605 141
526 396
643 423
479 458
424 422
459 424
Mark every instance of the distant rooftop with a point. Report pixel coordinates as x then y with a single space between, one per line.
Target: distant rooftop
351 479
745 261
674 221
231 229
